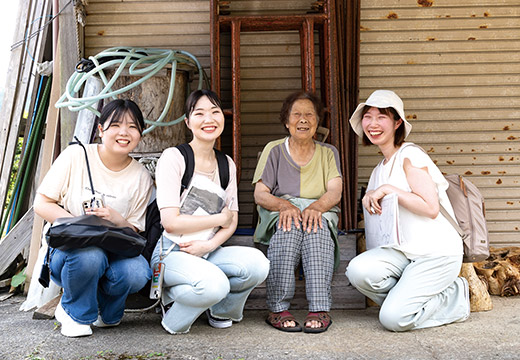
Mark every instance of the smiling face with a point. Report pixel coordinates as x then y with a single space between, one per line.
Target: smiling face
303 120
206 120
120 137
379 127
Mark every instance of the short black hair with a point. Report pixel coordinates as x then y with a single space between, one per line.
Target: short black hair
300 95
195 97
116 109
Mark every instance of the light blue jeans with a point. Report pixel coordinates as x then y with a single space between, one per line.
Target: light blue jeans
96 282
413 294
222 283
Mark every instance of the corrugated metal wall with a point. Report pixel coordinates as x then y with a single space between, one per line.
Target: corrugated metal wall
270 62
180 25
456 64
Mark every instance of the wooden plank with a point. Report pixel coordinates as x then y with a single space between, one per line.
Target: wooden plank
455 13
147 29
438 24
443 4
434 47
46 160
454 158
68 60
430 70
46 311
446 59
158 40
505 149
11 91
453 81
17 239
472 35
127 7
149 18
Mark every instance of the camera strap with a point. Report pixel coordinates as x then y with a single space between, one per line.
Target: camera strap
88 165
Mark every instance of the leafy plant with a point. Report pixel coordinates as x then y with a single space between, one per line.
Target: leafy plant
19 278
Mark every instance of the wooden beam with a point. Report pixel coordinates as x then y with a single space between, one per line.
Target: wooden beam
16 240
68 60
46 311
46 161
235 71
307 56
214 46
271 22
15 74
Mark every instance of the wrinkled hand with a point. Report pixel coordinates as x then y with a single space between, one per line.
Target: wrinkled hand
288 214
228 217
109 214
197 247
311 219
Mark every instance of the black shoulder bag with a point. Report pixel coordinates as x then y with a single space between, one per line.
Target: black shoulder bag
91 230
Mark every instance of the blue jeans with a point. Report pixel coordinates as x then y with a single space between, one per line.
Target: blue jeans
222 283
95 281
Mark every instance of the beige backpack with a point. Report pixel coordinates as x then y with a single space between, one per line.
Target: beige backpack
470 222
468 206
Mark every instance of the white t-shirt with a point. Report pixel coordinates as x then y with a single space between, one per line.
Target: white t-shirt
127 191
168 177
420 236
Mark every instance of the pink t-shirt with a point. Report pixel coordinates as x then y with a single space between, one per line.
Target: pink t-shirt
168 177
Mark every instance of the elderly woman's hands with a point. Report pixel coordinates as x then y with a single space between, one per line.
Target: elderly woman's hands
288 214
312 218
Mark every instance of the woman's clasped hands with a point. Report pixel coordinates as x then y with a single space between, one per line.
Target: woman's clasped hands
309 219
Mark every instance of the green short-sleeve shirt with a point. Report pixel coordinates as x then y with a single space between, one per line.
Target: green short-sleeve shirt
283 176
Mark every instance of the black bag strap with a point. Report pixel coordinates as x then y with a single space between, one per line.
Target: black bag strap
88 165
189 160
223 168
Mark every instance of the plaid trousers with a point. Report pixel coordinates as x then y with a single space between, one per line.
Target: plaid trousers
316 250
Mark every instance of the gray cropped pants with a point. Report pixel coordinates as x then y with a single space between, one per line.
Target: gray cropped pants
316 250
413 294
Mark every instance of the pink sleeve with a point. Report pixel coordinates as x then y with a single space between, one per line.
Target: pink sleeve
168 176
231 190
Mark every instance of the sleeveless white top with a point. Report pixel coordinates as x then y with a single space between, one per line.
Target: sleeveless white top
420 236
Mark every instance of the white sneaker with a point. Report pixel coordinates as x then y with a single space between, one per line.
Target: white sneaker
69 327
101 324
218 323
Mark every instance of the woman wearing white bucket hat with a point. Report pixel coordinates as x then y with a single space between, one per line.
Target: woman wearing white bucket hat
415 281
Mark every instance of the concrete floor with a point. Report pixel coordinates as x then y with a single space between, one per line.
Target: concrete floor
354 334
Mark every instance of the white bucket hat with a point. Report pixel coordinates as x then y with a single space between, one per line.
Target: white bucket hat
380 99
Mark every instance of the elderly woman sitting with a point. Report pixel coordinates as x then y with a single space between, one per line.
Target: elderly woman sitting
297 187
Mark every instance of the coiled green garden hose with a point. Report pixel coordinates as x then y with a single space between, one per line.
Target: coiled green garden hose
121 57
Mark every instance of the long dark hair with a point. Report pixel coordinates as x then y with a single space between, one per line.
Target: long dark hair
115 110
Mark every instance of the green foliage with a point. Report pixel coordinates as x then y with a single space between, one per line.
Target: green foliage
14 172
19 278
34 355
